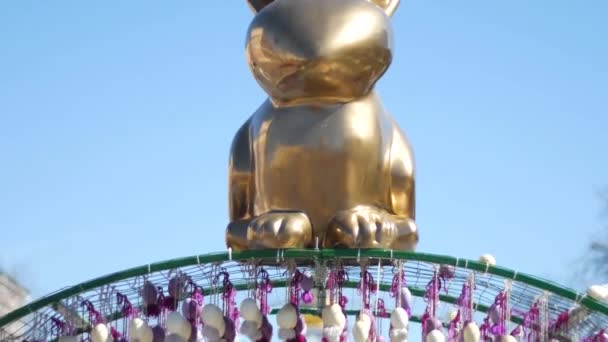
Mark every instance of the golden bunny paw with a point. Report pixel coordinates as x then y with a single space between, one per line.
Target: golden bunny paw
370 227
279 229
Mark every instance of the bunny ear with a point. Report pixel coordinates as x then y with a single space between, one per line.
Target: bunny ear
389 6
257 5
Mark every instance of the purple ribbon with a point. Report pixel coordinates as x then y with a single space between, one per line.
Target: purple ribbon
94 316
263 290
366 287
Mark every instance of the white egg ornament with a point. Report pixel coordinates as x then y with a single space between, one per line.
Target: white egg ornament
249 310
508 338
471 332
287 317
362 328
212 315
334 322
177 325
399 318
332 316
435 336
598 292
146 334
487 259
100 333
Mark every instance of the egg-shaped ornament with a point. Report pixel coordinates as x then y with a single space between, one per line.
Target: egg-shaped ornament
136 326
212 315
68 339
494 314
332 315
398 335
191 309
471 332
211 334
361 330
508 338
249 310
433 324
435 336
178 325
406 298
145 334
287 317
487 259
100 333
159 334
447 271
399 318
598 292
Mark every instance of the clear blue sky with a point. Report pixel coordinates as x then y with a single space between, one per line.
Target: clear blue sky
116 119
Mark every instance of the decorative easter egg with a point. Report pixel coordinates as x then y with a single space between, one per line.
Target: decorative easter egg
287 317
100 333
471 332
332 315
145 334
307 282
250 329
446 271
361 330
135 327
249 310
435 336
399 318
406 298
508 338
398 335
68 339
433 324
598 292
494 314
211 333
178 325
286 334
149 293
176 286
174 338
190 309
221 327
159 334
212 315
487 259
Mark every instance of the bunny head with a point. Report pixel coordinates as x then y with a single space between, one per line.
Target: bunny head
319 51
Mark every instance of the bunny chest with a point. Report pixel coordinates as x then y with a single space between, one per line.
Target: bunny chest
321 159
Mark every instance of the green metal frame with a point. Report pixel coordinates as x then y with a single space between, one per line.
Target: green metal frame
313 254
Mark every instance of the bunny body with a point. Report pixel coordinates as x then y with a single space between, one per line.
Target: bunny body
321 159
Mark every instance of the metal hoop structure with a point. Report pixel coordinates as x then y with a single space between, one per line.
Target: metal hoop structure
46 319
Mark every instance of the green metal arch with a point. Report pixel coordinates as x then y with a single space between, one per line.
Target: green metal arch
314 254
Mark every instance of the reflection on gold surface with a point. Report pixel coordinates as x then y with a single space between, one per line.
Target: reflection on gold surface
321 160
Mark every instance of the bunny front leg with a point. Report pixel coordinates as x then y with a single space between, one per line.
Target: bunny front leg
273 229
388 226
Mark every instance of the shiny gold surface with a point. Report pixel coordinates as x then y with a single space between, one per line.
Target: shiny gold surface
321 159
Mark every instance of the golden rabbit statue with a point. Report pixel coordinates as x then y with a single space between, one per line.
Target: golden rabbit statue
321 162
